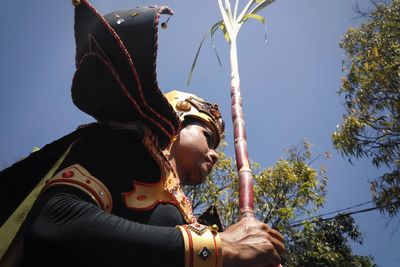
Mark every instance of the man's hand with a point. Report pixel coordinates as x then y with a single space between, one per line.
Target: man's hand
251 243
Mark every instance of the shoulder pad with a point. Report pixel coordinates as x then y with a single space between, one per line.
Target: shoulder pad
78 177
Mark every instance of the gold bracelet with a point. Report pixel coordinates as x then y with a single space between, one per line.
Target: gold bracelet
202 246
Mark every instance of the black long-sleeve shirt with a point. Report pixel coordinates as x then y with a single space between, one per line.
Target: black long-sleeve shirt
66 228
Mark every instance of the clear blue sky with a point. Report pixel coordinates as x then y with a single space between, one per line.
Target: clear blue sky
289 86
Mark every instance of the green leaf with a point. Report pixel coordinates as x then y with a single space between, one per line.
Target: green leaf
210 32
222 26
371 125
227 18
261 5
259 18
244 11
213 46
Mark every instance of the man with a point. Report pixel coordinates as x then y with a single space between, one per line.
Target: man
114 197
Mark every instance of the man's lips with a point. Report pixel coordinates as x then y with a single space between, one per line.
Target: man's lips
209 166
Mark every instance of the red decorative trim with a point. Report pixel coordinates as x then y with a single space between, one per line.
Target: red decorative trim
189 234
93 193
125 195
132 66
162 10
85 182
105 190
98 47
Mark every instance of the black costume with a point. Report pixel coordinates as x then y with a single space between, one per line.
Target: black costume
68 224
114 200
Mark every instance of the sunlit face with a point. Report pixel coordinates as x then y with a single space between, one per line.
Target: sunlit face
193 154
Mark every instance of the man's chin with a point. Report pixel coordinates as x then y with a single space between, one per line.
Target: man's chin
195 180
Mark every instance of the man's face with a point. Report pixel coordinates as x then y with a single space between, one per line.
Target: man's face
193 152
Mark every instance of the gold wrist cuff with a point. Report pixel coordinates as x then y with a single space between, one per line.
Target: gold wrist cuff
202 246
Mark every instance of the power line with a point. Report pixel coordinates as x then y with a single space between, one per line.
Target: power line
320 219
333 212
331 218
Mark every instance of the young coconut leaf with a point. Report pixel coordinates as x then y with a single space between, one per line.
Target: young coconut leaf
259 18
261 5
210 32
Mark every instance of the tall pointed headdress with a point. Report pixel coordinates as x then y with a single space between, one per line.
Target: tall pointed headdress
115 79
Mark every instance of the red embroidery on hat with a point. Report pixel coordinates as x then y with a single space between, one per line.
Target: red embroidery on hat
133 69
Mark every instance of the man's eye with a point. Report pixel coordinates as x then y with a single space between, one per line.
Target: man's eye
210 139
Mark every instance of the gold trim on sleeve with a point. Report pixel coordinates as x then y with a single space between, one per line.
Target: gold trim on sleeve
202 246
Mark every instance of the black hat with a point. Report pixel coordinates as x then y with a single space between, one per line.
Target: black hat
116 79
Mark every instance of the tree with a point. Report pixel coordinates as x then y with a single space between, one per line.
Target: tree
325 243
371 89
284 193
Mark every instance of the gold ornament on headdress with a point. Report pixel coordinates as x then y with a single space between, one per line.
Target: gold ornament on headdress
191 106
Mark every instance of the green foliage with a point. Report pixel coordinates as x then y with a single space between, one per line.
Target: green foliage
289 189
284 193
325 243
371 127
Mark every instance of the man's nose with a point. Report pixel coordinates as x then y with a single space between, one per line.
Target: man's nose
214 156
